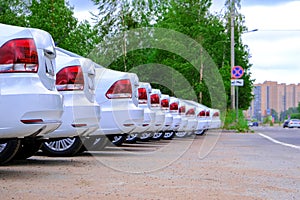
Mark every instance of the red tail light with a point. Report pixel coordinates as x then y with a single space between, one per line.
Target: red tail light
165 103
154 98
207 113
190 112
142 95
19 55
182 110
120 89
216 114
201 114
174 106
69 79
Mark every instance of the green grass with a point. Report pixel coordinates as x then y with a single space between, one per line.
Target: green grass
231 123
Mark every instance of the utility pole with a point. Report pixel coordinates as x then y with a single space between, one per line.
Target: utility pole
232 10
201 73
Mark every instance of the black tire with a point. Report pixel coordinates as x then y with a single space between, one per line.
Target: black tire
145 137
158 135
117 140
8 150
63 147
169 135
132 138
181 134
27 149
95 143
200 132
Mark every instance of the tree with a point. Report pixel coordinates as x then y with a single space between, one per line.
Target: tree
189 17
57 18
241 51
13 12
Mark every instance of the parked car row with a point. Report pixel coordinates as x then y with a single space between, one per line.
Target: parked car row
61 103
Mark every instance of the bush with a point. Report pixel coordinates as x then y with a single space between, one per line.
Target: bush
230 122
295 116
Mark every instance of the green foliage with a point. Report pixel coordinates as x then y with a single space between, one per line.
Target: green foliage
295 116
189 17
193 19
56 17
231 122
13 12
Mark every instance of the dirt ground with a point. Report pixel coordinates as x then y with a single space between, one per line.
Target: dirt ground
205 167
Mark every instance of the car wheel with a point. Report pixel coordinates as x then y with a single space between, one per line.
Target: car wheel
27 149
158 135
144 137
8 150
117 140
169 135
63 147
200 132
181 134
95 143
132 138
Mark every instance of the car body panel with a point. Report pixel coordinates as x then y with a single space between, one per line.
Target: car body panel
30 96
203 121
168 116
159 114
81 112
118 116
175 114
294 123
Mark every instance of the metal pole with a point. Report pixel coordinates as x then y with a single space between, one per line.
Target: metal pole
232 52
237 104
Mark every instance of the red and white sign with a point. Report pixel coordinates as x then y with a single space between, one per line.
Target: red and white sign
237 72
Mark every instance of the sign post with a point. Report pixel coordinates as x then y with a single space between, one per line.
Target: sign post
236 73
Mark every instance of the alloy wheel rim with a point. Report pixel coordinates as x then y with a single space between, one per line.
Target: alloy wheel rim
157 134
60 145
2 146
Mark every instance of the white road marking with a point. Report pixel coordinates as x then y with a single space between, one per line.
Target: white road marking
278 142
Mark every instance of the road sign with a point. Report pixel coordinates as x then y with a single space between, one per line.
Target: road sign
237 72
237 82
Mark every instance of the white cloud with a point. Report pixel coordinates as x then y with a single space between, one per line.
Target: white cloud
275 48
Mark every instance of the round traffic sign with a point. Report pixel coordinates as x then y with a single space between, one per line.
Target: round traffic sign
237 72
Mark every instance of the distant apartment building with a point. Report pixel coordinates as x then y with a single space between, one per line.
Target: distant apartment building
270 96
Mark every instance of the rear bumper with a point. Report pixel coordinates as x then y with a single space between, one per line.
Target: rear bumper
215 124
168 122
202 124
176 123
192 125
25 115
183 125
119 121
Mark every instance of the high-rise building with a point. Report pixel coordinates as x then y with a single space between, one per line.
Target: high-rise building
271 98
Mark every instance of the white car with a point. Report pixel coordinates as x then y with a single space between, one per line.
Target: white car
192 118
144 131
182 130
174 110
203 117
115 95
75 80
215 119
161 120
31 107
294 123
165 103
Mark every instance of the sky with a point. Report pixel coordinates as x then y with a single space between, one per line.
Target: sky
274 48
